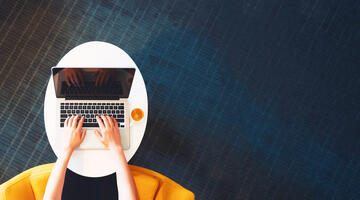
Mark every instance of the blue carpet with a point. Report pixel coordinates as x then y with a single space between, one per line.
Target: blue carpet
247 99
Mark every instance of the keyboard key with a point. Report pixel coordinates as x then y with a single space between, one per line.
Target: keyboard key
66 104
80 107
66 107
71 104
122 126
90 124
62 104
120 116
63 111
68 111
108 104
97 107
80 103
61 107
87 116
75 107
106 107
117 103
121 107
61 124
120 120
85 104
92 107
90 104
122 112
112 103
102 107
77 111
86 111
62 119
92 115
63 116
76 103
95 111
113 111
91 111
117 111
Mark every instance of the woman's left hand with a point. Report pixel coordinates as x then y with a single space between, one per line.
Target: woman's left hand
74 134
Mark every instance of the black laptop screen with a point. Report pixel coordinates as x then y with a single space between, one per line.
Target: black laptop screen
92 83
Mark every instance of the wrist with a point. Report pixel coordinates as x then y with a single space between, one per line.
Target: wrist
116 148
67 151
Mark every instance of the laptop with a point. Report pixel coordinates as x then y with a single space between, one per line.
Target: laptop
91 92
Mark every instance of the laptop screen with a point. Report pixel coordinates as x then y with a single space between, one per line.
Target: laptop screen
92 83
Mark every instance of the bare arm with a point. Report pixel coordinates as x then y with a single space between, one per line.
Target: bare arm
56 180
74 138
109 135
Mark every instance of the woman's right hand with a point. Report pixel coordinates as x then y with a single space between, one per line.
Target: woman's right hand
108 133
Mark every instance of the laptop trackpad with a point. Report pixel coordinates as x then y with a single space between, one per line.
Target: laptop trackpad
91 141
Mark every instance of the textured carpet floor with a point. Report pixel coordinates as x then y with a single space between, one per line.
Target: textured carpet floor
248 99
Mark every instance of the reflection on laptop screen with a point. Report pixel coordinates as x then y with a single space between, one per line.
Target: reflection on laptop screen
92 83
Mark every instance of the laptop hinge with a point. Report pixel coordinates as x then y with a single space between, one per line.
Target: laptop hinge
93 98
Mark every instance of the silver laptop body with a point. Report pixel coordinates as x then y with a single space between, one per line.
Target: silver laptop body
91 92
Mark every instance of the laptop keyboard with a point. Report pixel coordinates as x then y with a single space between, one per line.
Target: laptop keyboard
91 110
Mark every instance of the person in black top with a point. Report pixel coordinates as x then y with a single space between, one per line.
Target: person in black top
109 135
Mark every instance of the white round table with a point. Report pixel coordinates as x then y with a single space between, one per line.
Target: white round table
97 163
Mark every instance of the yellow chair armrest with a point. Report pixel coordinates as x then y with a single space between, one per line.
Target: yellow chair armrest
31 185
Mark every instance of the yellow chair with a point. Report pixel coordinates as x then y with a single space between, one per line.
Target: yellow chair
31 184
